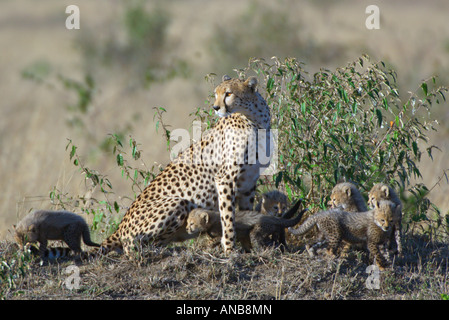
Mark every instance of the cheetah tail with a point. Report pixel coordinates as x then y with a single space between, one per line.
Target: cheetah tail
292 211
306 226
293 222
87 240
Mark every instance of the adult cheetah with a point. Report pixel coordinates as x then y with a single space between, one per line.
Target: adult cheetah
217 173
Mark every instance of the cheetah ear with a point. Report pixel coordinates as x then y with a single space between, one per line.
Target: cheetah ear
204 216
385 190
251 82
347 190
225 78
376 204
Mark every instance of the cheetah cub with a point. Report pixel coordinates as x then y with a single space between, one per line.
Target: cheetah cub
344 196
274 203
383 191
250 226
348 197
370 227
41 226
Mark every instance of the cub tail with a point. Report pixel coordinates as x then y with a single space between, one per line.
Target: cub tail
306 226
86 238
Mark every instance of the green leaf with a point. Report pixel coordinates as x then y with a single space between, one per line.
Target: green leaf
354 107
415 148
303 108
424 88
72 152
385 102
379 117
120 159
270 84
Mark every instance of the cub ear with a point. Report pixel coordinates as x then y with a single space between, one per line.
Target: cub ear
376 204
347 190
252 82
204 216
225 78
385 190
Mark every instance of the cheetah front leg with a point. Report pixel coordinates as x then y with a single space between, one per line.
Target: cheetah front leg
376 255
226 205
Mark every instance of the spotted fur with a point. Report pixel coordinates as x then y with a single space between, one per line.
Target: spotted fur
251 226
381 191
214 173
371 227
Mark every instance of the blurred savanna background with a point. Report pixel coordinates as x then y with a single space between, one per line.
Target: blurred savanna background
130 57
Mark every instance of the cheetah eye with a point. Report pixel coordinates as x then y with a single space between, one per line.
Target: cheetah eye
228 94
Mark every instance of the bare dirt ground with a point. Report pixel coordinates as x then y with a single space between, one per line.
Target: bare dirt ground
413 37
193 271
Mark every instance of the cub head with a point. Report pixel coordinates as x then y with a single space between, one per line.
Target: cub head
379 191
23 235
274 203
346 194
384 212
197 221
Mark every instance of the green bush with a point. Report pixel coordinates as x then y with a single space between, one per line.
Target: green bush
14 266
348 125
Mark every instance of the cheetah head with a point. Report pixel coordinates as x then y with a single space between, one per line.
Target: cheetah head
197 221
383 214
340 196
379 191
24 236
233 95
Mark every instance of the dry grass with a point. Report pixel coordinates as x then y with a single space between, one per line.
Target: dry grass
192 271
